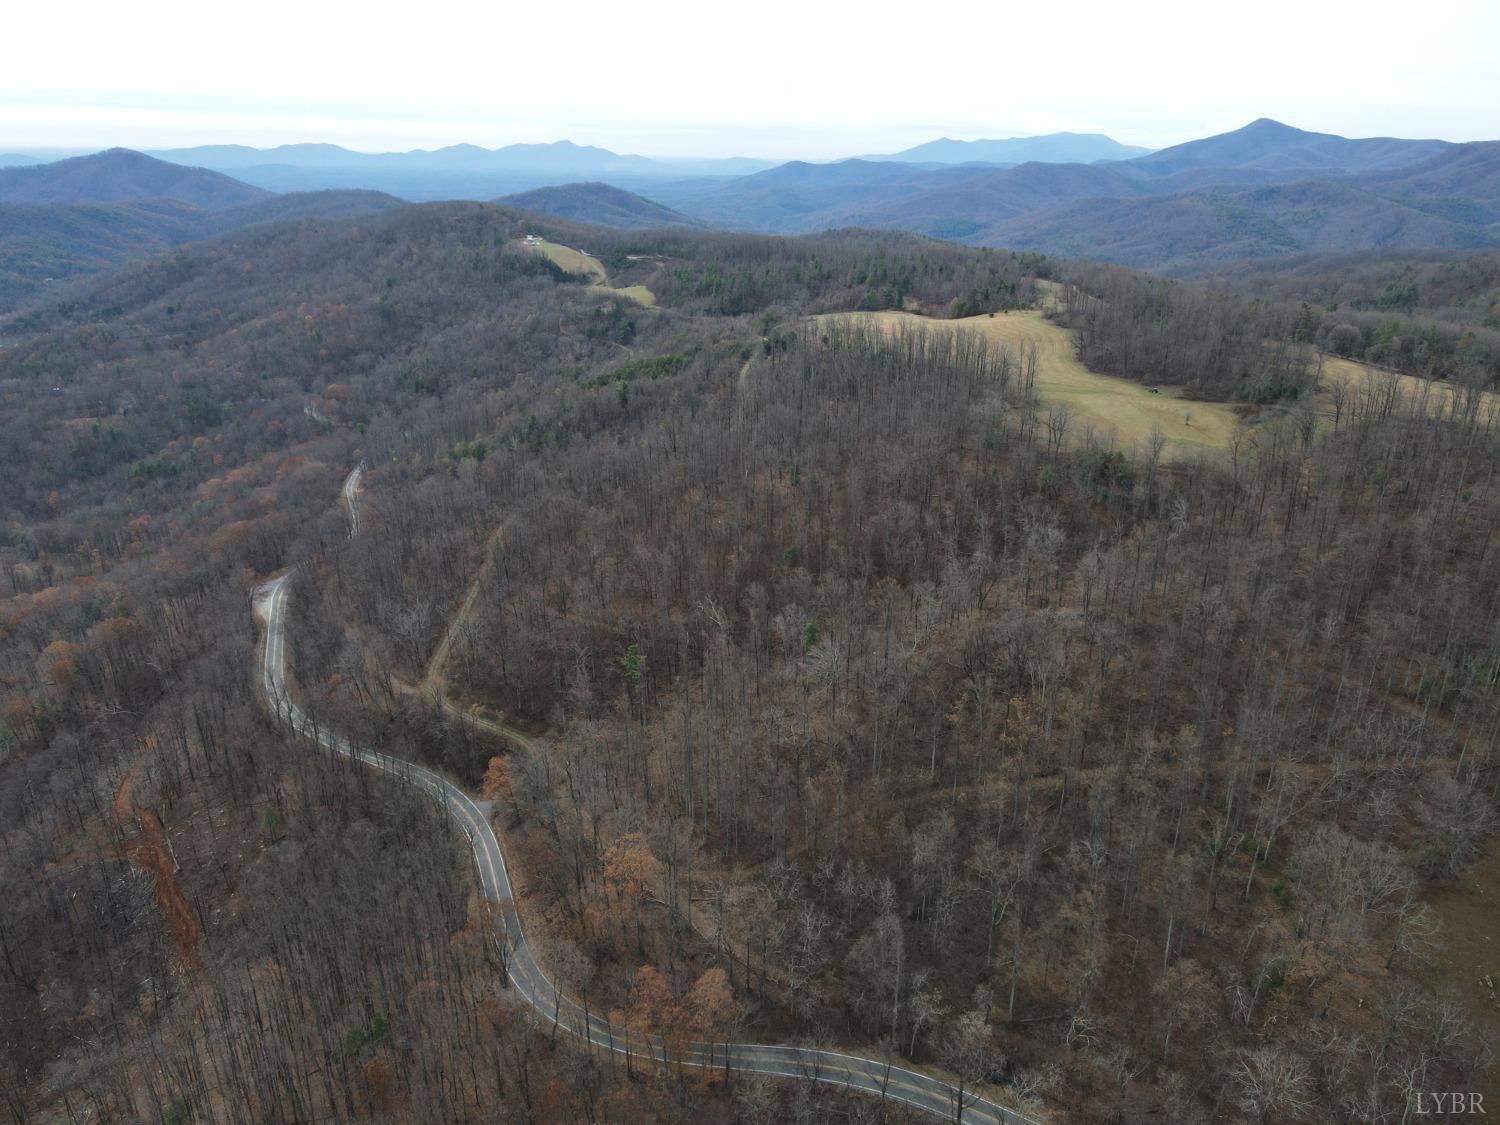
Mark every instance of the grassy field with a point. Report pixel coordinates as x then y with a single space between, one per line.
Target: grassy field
573 261
586 265
1361 378
1103 402
637 293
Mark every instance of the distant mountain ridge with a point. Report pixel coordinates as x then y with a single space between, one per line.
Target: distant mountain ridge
798 196
1056 148
1272 146
1265 189
599 204
1194 231
1262 190
43 243
462 171
120 174
1448 201
473 172
467 157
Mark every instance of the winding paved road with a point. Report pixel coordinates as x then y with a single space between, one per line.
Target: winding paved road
870 1076
351 496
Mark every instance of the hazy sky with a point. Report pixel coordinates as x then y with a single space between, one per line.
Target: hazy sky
768 78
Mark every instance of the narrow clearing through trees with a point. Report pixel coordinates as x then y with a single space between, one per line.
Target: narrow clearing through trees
150 850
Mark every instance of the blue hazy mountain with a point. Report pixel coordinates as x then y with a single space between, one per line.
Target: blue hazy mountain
1052 148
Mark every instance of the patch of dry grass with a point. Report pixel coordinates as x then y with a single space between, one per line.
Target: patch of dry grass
586 265
1104 403
1360 380
637 293
570 260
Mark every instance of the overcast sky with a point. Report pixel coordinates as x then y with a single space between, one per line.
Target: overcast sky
769 78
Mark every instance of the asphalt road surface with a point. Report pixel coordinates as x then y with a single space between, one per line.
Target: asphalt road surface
870 1076
351 497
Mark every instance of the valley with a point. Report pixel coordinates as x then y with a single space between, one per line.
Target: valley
947 1097
1264 191
735 640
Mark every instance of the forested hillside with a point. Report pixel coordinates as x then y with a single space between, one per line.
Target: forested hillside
44 244
1262 191
1449 286
1424 312
871 704
119 173
1188 233
599 204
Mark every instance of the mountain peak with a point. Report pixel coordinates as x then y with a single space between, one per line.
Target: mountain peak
119 174
1274 148
1269 126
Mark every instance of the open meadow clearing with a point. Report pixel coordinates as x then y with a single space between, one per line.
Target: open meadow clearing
568 259
1345 382
637 293
1103 402
586 265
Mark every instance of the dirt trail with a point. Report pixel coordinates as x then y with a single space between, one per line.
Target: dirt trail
434 682
435 679
150 851
434 686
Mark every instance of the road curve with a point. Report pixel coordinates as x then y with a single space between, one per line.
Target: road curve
351 497
870 1076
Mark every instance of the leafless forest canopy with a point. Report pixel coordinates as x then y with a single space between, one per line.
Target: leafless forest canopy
873 706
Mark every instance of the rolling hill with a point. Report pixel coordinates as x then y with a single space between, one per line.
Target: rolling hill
800 196
46 243
472 172
461 171
1194 231
299 205
1462 182
119 174
923 554
1457 287
965 207
1450 201
558 156
1263 190
599 204
1287 151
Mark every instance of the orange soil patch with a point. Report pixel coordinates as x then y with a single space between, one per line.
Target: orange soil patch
149 851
